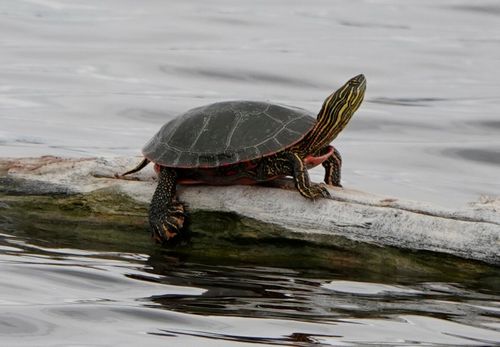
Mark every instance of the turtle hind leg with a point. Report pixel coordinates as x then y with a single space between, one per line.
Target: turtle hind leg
332 167
139 167
166 213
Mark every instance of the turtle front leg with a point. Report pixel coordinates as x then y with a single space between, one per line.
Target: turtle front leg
166 214
301 178
332 169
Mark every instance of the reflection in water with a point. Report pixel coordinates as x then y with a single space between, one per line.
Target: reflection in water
163 296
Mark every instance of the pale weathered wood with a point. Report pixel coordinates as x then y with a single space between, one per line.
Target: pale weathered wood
470 233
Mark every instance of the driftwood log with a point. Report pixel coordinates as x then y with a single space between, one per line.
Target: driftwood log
472 233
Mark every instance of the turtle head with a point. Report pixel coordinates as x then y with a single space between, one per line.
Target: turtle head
336 112
346 100
356 86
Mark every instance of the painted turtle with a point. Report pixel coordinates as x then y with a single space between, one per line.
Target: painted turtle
245 142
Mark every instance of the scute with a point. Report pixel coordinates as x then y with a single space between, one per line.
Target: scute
226 133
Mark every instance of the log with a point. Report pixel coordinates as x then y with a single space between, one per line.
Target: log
472 232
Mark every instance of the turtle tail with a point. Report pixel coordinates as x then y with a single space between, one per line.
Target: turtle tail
139 167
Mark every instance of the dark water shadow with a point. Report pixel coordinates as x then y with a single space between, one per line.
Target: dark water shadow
363 124
239 76
406 101
142 114
369 25
486 124
491 8
489 156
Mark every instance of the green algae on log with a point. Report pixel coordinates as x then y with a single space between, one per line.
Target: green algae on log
108 222
87 189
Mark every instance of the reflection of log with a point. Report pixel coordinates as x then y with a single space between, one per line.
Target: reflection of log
472 233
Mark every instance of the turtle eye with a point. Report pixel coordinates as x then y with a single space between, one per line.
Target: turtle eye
357 80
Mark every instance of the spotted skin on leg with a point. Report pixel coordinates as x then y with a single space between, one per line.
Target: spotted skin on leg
166 214
332 169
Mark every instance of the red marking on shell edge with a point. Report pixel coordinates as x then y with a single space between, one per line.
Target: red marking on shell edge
187 181
157 168
218 182
311 161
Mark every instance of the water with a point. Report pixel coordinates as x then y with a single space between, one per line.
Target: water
89 281
92 78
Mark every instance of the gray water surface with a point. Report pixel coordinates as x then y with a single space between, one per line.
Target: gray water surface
98 78
252 292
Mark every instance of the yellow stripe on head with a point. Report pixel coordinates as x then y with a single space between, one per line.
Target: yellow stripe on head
335 113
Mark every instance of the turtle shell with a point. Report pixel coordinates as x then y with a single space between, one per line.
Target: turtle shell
226 133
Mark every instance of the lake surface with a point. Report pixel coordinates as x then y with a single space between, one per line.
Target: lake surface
88 281
93 78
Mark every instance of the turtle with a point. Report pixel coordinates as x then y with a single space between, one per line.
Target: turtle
245 142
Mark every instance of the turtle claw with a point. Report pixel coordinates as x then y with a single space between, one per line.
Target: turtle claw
316 191
320 191
166 232
324 192
167 229
177 209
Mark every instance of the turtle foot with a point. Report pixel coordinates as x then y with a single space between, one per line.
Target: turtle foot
333 179
322 191
318 191
334 184
167 229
